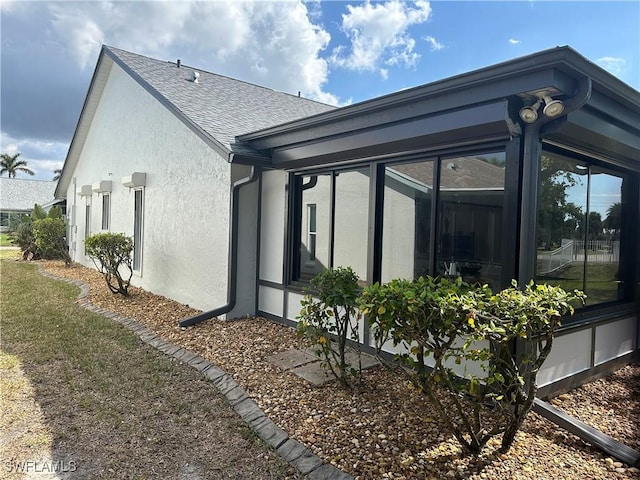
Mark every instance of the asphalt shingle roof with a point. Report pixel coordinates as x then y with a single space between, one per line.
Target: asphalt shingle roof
457 173
20 195
221 106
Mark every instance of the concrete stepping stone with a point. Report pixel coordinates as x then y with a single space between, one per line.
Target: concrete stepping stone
292 358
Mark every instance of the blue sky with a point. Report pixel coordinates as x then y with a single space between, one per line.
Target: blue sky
336 52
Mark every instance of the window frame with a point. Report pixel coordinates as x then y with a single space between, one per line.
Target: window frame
138 231
87 223
293 261
312 230
376 169
106 211
589 314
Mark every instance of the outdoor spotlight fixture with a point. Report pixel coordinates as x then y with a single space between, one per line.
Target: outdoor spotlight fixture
552 108
530 114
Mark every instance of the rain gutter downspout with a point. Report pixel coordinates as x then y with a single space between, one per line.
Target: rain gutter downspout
233 253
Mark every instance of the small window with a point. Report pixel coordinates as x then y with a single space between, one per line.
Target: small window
311 231
87 223
137 229
106 202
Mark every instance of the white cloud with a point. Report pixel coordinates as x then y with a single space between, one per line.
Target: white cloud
615 65
379 34
513 41
433 43
41 157
275 44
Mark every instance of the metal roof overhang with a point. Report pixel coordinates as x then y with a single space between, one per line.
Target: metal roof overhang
612 134
478 123
471 107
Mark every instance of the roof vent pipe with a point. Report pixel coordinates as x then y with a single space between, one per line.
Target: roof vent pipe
178 63
232 287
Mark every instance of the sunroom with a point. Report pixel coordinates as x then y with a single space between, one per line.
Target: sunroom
529 169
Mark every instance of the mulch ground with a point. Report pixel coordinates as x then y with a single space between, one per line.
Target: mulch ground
385 429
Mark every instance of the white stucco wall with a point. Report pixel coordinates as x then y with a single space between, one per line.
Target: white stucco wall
186 197
272 225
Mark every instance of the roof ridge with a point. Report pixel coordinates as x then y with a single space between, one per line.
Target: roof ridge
28 179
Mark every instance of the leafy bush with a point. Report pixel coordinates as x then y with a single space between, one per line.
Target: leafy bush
112 255
23 237
476 383
50 238
331 319
40 234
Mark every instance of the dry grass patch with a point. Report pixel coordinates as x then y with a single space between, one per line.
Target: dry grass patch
114 406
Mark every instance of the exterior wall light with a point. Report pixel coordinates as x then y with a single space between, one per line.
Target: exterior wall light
552 108
530 114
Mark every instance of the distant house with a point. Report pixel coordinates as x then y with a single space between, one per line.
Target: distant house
236 195
18 196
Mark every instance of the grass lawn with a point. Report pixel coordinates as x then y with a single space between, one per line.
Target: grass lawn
82 390
602 285
5 240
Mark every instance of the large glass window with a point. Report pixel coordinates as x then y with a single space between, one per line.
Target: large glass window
407 219
579 227
462 236
470 206
331 222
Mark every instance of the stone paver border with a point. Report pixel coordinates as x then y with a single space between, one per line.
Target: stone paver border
295 453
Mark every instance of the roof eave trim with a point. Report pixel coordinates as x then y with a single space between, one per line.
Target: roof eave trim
565 56
63 181
194 127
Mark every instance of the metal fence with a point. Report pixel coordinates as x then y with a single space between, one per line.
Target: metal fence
597 251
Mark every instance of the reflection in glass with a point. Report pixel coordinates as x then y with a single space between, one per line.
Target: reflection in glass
603 238
316 218
351 221
333 235
408 193
469 241
469 221
579 228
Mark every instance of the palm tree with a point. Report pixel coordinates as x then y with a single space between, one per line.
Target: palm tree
56 174
12 165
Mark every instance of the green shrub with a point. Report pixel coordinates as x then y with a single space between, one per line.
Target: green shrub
112 255
331 318
23 237
50 238
460 326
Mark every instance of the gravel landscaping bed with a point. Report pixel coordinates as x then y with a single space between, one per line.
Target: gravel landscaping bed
385 429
